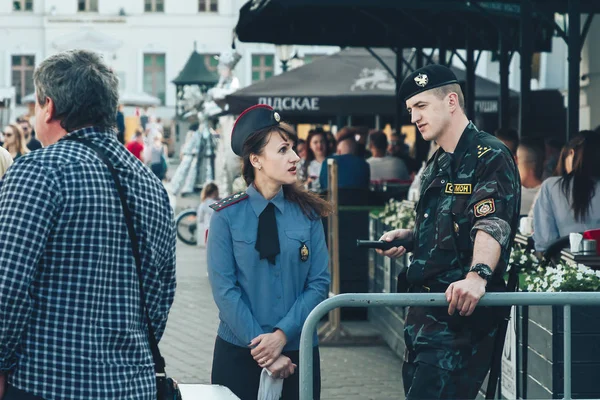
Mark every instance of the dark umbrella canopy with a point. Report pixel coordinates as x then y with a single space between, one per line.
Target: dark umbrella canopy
350 82
386 23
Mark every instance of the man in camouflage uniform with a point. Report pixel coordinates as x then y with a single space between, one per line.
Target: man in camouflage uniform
466 220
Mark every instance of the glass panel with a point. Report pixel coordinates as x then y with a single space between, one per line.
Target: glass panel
214 5
268 74
201 5
93 5
28 5
148 87
255 61
160 6
29 61
255 76
147 60
17 5
269 60
148 6
160 60
15 60
161 80
81 5
16 82
29 87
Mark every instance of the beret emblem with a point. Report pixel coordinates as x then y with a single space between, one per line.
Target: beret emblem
421 80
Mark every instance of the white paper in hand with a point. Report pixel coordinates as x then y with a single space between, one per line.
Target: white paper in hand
270 388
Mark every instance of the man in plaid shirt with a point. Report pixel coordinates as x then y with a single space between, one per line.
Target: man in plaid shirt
71 324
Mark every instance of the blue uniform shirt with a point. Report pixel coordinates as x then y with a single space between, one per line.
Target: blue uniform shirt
253 296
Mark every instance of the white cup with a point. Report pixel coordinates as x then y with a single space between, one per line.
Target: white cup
575 240
526 226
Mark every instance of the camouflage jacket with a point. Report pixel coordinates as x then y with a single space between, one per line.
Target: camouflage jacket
475 188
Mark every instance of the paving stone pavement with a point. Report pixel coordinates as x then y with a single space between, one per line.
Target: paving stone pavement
352 373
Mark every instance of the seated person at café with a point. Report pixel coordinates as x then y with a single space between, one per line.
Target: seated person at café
510 138
570 202
353 171
530 161
384 167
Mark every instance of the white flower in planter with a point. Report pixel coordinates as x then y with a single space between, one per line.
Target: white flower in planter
566 277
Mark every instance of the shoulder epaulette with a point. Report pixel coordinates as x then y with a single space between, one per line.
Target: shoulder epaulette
228 201
482 149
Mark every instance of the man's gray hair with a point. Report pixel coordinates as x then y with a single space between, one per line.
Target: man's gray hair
85 90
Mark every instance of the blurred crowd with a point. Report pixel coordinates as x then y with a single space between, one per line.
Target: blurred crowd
559 192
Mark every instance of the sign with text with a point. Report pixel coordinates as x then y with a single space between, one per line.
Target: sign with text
508 380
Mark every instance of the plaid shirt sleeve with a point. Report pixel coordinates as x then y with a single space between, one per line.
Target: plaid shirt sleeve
29 200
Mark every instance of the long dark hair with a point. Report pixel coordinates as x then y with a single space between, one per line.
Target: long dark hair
585 173
311 204
310 155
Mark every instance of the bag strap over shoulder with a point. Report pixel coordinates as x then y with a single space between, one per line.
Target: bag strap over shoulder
159 362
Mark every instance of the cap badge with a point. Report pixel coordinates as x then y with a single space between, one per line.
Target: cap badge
276 116
421 80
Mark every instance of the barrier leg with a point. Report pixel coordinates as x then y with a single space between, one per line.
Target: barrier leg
567 357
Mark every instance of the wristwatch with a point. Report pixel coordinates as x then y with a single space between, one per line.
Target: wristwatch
483 270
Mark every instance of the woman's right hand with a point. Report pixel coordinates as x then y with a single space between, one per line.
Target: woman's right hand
395 252
282 368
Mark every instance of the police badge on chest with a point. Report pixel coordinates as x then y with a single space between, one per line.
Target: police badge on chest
304 253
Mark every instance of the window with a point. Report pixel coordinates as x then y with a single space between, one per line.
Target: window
211 62
208 5
23 5
155 76
262 66
22 75
154 6
87 5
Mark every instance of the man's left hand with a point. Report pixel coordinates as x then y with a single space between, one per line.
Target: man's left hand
464 295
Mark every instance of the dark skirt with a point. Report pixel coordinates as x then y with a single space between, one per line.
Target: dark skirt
234 367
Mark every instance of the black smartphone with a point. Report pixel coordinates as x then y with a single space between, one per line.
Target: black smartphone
382 245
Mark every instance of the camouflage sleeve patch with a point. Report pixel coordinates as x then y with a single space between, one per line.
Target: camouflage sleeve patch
484 208
497 228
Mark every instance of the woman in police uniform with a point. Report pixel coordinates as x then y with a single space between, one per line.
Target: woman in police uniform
267 261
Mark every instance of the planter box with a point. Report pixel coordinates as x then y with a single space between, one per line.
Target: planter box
540 346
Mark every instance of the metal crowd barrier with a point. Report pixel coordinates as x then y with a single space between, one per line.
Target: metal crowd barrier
565 299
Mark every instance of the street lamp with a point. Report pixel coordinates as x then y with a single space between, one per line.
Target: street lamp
284 54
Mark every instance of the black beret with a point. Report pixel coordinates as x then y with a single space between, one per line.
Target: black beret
426 78
253 119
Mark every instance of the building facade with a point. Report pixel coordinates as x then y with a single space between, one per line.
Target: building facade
147 42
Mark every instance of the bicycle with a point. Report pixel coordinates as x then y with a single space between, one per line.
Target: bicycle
186 226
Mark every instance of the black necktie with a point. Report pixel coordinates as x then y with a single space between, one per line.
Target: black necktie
267 239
